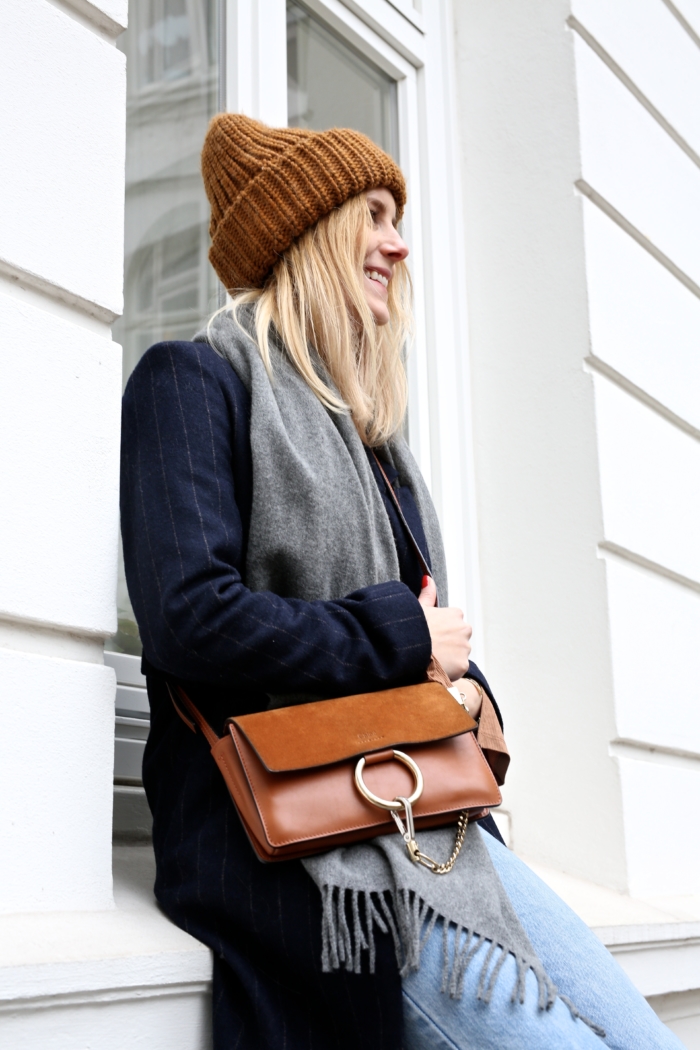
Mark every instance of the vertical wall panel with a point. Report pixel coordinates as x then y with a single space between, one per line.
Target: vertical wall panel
59 472
663 850
544 592
650 481
633 163
56 753
655 629
690 11
162 1019
62 201
62 127
644 322
655 52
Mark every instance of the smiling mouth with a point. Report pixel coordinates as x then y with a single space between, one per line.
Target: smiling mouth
381 278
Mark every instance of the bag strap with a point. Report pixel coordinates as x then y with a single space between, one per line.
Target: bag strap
198 721
402 517
436 672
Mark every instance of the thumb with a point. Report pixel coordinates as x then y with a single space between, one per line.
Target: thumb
428 594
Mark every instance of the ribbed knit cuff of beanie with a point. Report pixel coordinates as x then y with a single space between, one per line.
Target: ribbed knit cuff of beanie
267 185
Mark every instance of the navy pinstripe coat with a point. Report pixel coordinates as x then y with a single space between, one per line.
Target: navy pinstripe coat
185 505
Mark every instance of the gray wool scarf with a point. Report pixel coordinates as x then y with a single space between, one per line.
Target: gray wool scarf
318 527
319 530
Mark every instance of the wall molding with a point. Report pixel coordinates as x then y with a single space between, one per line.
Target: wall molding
659 755
105 995
631 86
642 240
50 640
35 283
608 547
92 17
683 21
638 392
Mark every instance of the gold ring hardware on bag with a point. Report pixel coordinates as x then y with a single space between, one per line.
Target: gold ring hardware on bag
383 803
407 830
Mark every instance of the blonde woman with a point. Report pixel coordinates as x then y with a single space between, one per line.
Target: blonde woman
267 565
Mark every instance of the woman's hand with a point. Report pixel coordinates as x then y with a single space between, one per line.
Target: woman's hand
472 696
448 632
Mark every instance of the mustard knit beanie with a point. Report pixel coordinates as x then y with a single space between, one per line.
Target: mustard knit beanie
267 185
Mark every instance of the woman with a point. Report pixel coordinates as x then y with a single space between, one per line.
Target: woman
267 564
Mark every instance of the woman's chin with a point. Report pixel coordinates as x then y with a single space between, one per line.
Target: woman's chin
380 312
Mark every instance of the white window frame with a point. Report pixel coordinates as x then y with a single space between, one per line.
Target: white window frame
415 48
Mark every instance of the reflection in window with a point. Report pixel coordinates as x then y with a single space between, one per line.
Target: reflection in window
164 35
329 84
173 88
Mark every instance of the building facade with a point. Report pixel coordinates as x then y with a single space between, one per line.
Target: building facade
552 154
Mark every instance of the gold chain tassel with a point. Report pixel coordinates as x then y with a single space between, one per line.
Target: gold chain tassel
408 834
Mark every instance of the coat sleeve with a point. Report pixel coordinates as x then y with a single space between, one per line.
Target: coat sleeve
185 449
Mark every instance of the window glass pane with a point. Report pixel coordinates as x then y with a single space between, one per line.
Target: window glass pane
169 287
330 84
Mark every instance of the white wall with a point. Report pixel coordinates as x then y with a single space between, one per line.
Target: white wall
638 72
539 504
581 153
61 227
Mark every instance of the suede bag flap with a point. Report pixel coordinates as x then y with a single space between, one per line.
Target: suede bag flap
321 733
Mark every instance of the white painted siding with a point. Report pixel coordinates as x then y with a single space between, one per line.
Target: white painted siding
650 481
632 162
538 487
597 672
639 130
56 752
657 55
689 10
161 1019
62 204
655 627
61 244
59 430
567 471
660 799
644 323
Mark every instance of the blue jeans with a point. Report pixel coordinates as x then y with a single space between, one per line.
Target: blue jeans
580 966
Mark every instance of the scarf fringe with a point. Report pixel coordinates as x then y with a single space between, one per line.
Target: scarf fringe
576 1013
411 922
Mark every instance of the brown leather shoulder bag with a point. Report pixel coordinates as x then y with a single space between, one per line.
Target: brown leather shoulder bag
307 778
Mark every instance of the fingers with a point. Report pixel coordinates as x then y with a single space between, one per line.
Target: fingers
467 647
428 594
450 636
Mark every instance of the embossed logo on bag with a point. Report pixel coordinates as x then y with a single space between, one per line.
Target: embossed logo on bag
366 738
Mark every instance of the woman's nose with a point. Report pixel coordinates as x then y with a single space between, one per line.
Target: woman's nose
395 248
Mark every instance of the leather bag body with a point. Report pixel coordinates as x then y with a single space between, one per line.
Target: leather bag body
291 771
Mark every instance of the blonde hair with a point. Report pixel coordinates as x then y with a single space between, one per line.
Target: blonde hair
315 297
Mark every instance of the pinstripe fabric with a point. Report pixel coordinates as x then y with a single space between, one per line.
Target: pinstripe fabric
185 500
262 922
